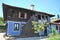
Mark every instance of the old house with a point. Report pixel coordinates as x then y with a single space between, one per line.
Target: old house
19 21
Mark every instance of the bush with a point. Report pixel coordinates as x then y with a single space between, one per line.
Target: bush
3 28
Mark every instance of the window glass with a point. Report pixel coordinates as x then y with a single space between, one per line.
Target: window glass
16 26
43 17
22 15
39 16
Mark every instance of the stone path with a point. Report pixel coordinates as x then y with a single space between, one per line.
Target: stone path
31 38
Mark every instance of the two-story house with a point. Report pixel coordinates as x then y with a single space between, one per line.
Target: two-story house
19 21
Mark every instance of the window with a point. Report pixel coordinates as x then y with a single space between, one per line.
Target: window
43 17
22 15
16 26
39 16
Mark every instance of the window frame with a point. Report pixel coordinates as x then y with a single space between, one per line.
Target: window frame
22 15
16 28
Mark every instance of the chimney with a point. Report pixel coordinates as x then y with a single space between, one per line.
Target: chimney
32 7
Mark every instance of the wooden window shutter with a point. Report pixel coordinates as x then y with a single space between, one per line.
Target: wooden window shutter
25 15
19 14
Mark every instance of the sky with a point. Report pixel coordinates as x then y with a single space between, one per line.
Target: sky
48 6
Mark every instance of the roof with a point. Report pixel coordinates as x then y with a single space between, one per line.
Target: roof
54 23
27 9
55 19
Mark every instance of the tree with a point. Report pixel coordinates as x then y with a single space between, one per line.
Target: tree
38 26
1 20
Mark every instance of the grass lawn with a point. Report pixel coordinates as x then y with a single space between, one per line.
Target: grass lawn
55 37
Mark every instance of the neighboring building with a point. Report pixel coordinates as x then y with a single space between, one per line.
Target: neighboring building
19 21
55 23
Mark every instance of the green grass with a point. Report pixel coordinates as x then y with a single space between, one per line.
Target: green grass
54 37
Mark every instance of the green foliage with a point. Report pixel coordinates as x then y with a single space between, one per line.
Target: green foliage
53 31
1 21
38 26
2 26
55 37
35 26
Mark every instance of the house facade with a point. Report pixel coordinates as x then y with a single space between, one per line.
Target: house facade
19 21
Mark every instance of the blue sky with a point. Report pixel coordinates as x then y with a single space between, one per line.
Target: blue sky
48 6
